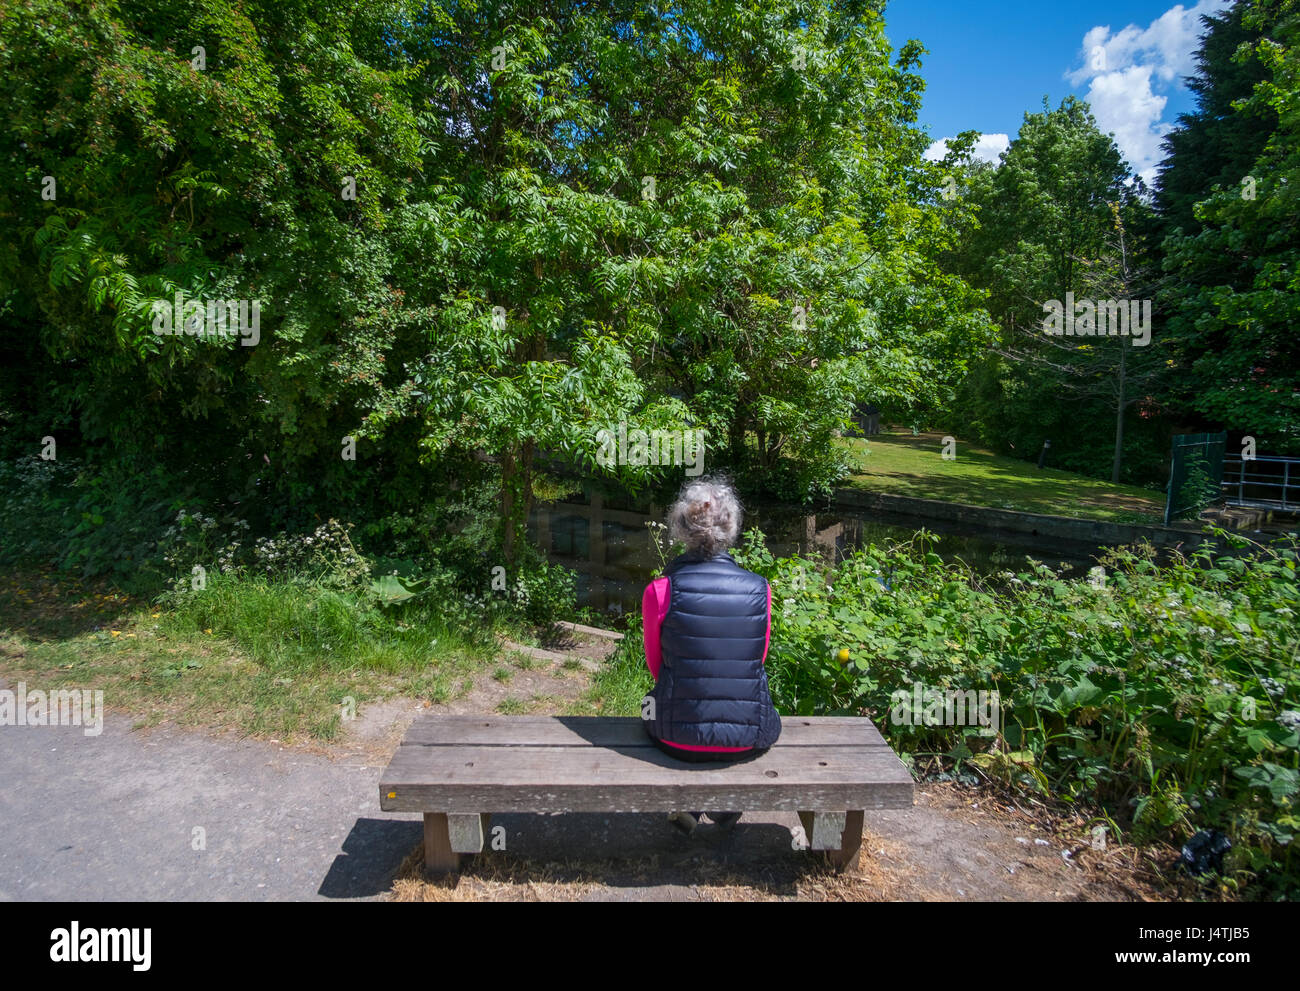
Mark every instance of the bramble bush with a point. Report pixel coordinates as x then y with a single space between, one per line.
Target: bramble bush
95 519
1165 697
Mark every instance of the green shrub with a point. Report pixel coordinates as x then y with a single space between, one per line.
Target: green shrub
544 592
98 520
1166 696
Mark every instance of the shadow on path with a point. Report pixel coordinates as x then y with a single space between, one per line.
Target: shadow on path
372 853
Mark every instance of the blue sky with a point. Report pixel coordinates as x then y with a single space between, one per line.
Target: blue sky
990 63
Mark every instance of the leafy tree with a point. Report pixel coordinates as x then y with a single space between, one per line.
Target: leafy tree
1231 286
1121 370
445 214
1053 221
203 148
736 248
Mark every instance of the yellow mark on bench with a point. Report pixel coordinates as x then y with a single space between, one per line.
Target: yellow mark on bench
392 794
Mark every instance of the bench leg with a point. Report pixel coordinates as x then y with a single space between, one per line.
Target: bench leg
846 857
439 857
823 829
468 831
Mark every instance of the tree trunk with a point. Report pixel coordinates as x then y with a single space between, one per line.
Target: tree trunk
1121 400
508 507
736 439
526 485
1119 414
516 498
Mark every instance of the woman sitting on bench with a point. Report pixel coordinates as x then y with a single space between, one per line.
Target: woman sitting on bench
708 623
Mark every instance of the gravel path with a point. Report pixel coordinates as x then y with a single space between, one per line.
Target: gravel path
120 815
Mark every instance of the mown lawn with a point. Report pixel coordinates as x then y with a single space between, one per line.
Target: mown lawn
894 461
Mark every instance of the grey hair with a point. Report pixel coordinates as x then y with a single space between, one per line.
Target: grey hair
706 516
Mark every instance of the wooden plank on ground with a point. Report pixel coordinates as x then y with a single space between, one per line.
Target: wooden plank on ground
536 653
591 631
578 779
614 731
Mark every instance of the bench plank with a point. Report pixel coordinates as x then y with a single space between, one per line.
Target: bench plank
614 731
529 778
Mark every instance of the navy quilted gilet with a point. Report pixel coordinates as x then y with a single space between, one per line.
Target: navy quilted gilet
712 687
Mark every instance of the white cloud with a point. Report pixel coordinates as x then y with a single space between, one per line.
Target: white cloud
1126 69
1124 103
988 148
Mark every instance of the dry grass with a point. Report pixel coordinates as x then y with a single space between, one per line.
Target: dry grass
495 877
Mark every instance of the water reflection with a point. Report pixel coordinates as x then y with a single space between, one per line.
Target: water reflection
614 553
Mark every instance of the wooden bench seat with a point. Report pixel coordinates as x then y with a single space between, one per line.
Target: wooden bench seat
458 770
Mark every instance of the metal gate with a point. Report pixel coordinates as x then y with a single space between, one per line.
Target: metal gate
1195 474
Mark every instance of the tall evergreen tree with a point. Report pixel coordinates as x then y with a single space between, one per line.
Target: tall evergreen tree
1215 144
1231 289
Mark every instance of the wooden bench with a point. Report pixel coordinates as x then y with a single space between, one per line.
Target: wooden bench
458 770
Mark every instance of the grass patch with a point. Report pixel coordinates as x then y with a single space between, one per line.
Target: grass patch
264 658
898 463
621 683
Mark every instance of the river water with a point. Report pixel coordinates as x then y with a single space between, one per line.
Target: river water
608 543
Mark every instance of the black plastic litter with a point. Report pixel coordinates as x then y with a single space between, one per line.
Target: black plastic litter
1204 852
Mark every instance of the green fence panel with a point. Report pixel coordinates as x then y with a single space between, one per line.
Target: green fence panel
1195 474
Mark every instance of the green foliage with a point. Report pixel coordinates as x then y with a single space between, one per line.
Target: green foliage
96 519
544 591
624 680
107 522
1217 143
1057 216
1231 287
499 287
1199 488
394 590
36 511
301 630
1166 695
222 181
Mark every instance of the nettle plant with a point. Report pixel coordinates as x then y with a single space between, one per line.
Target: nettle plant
1166 697
544 592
